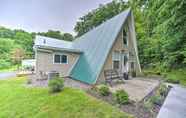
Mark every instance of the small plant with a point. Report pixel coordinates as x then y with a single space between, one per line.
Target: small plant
103 90
56 84
121 97
156 100
29 81
163 90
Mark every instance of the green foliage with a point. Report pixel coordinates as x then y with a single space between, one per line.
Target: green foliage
57 35
158 97
165 33
121 97
56 84
68 37
98 16
6 33
52 34
103 90
4 64
24 39
176 76
20 39
6 46
163 90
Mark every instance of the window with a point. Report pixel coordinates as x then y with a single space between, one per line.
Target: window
60 59
124 37
57 58
63 58
116 60
125 60
115 64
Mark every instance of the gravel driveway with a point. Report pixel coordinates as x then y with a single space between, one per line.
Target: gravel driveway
6 75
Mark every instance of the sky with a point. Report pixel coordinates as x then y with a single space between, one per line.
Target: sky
41 15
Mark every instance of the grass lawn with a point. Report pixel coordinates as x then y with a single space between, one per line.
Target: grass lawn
177 75
172 76
19 101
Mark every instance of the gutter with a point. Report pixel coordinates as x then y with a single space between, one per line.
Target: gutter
58 49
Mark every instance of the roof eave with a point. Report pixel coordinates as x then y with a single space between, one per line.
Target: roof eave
57 49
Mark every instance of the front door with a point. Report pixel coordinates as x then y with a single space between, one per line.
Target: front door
124 63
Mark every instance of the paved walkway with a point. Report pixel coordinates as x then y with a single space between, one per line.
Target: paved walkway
175 104
5 75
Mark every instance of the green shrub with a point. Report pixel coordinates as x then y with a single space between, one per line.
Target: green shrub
29 81
121 97
156 100
163 90
103 90
56 84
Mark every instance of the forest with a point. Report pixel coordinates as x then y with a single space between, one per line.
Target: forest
160 29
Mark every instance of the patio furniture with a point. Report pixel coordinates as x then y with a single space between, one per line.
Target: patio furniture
111 75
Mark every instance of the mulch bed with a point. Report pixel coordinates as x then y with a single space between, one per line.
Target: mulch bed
137 109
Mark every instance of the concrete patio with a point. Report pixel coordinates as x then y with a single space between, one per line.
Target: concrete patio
137 88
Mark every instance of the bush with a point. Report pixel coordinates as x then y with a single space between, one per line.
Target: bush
163 90
29 81
121 97
56 84
156 100
103 90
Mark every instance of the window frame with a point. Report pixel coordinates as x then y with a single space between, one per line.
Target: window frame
55 59
60 58
113 61
66 59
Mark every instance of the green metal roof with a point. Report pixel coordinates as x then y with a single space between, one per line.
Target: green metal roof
95 46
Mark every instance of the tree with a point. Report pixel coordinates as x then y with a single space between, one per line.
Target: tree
6 33
52 34
17 55
166 23
68 37
99 15
57 35
6 45
25 40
